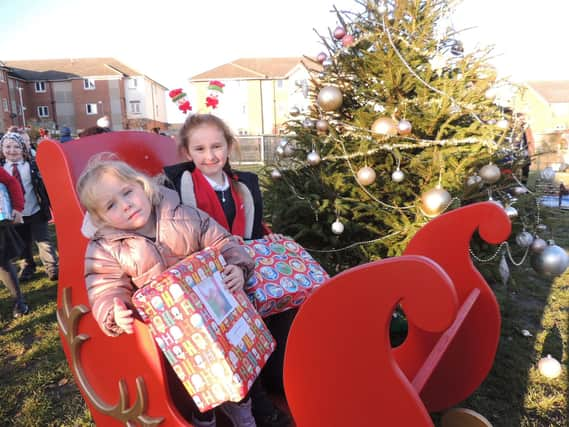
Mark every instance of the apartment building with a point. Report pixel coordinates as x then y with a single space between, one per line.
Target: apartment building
75 92
258 93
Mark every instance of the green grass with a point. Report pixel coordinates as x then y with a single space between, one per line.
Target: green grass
37 388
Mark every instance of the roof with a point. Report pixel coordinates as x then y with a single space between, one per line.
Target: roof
553 91
252 68
62 69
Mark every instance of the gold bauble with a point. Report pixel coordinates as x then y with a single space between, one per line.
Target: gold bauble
366 176
435 201
384 126
330 98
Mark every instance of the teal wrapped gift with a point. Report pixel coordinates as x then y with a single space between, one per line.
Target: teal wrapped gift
285 274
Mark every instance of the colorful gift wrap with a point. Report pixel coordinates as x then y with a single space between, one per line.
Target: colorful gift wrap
214 339
285 274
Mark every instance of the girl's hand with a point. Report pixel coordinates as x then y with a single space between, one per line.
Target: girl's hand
17 217
123 316
233 278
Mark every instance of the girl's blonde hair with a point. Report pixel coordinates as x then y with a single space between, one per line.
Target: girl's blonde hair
103 163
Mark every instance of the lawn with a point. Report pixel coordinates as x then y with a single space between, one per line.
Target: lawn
37 389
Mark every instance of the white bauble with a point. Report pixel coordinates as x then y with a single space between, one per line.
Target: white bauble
275 174
366 176
313 158
397 175
337 227
549 367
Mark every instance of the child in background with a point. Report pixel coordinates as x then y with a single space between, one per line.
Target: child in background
16 161
234 200
138 229
11 244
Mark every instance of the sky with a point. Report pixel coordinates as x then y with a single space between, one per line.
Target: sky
172 40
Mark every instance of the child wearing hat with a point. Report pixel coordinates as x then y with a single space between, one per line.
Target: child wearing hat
16 160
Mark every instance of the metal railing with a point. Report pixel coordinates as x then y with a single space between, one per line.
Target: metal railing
255 149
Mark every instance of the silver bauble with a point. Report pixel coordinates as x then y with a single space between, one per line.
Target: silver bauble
547 174
511 212
490 173
313 158
551 262
330 98
404 127
524 239
337 227
288 150
503 124
384 126
473 181
366 176
294 111
538 245
308 123
275 174
435 201
326 63
280 150
397 175
541 227
381 9
518 191
322 125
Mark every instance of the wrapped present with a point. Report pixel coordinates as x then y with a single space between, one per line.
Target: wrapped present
285 274
214 339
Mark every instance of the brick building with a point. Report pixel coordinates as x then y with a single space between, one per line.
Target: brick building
76 92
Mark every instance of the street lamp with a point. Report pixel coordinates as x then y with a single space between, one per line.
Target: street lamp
22 108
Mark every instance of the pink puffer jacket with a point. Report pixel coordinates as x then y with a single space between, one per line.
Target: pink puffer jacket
117 262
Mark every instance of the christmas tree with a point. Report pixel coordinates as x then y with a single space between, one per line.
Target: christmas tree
403 125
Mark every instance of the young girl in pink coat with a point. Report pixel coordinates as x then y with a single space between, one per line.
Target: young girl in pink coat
138 229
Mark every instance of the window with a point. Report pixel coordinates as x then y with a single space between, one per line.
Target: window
2 76
40 86
89 84
91 109
280 84
43 111
135 107
132 83
5 105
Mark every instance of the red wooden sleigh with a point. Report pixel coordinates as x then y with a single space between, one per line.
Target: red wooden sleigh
340 369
